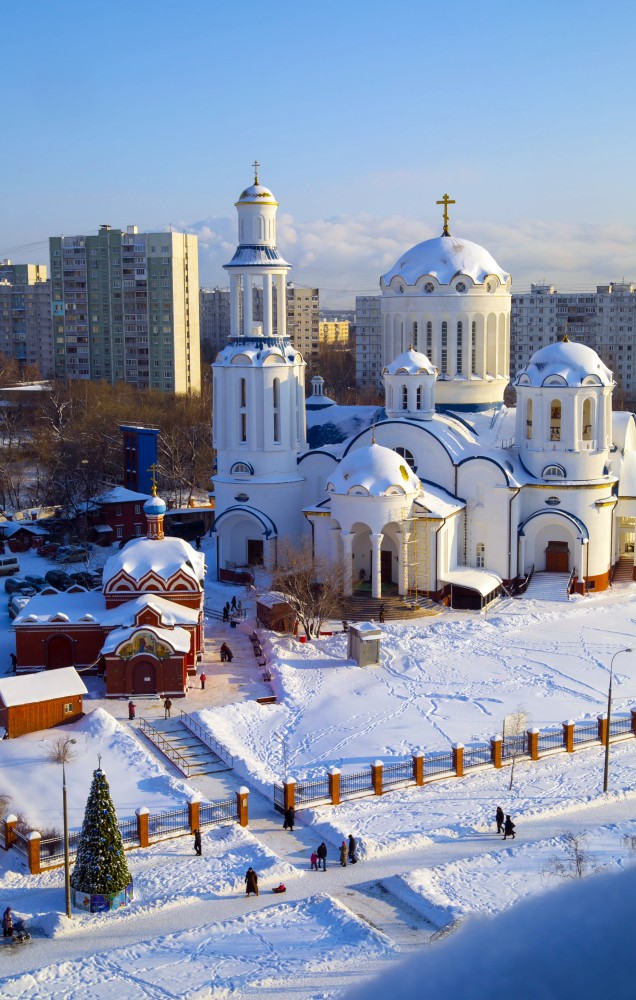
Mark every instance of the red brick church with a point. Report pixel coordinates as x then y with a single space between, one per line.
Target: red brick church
144 631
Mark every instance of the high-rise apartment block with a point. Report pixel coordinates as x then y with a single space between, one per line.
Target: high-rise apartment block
368 342
26 331
334 332
604 320
303 318
214 306
303 308
126 308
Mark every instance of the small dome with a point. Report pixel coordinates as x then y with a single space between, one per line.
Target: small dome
373 471
445 257
565 363
410 363
155 506
256 194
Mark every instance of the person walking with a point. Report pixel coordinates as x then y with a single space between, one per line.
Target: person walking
509 828
314 861
197 842
226 611
233 605
322 856
203 679
167 705
352 849
131 710
343 854
251 882
7 923
14 663
289 819
381 614
499 819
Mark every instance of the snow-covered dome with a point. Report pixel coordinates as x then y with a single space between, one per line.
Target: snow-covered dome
445 258
256 194
163 558
155 506
565 363
410 363
258 351
373 471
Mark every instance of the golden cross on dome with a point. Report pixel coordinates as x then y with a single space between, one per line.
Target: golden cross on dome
256 165
446 201
154 469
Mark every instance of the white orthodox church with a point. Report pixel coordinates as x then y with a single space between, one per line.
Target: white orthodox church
444 492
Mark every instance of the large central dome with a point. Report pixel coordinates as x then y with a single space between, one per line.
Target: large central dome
444 258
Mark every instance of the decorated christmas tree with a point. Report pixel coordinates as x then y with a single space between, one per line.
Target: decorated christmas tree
100 865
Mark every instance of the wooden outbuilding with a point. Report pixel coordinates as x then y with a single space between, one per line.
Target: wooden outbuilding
40 701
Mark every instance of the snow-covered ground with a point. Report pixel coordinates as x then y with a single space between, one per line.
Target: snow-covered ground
429 857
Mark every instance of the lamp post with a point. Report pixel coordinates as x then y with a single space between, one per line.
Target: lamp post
67 866
609 717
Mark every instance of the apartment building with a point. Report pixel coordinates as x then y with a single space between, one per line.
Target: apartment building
126 308
303 319
604 320
334 332
214 307
368 342
26 330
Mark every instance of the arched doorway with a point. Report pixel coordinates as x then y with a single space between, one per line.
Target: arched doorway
59 653
144 679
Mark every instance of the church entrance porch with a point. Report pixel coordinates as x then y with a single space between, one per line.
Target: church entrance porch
144 678
557 557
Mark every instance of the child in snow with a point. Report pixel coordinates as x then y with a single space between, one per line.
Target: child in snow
314 861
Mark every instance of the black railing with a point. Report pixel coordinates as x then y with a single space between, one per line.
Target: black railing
477 756
202 734
586 732
312 791
166 747
218 812
620 725
438 763
398 773
551 739
128 830
514 746
168 822
358 781
279 797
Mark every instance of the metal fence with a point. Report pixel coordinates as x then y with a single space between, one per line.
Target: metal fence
312 791
359 781
222 752
477 756
166 747
514 746
620 725
168 822
398 773
279 797
128 830
551 739
438 763
52 848
218 812
586 732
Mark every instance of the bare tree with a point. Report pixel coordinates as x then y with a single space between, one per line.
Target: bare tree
515 727
313 584
61 750
576 861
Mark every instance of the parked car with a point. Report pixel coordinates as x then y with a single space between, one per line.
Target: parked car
37 582
48 550
74 553
14 584
84 579
17 604
58 579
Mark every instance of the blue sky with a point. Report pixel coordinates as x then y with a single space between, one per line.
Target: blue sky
361 114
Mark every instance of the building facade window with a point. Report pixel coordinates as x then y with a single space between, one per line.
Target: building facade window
405 398
480 555
555 420
529 420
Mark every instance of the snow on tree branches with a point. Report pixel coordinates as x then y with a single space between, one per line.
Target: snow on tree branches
100 865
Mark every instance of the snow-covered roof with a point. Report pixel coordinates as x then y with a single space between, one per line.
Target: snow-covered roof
438 501
410 363
171 613
564 363
257 351
74 607
155 506
474 579
373 471
43 686
119 494
10 528
177 638
445 257
165 557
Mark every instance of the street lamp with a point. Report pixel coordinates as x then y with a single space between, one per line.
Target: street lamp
67 866
609 717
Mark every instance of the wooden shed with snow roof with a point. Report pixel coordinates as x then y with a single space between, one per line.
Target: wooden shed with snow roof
40 701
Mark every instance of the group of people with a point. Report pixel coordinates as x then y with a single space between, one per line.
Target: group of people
226 653
347 854
504 823
233 608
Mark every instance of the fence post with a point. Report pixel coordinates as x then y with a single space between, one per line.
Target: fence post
418 767
634 721
602 728
495 750
33 849
568 736
142 825
194 813
458 759
376 776
533 743
289 793
334 785
9 828
241 805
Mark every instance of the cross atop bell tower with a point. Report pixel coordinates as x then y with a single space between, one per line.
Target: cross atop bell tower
446 201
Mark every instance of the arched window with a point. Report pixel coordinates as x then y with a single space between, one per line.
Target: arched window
480 555
444 360
460 347
243 411
555 420
405 398
418 397
429 339
276 409
529 420
553 472
587 419
473 358
407 456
